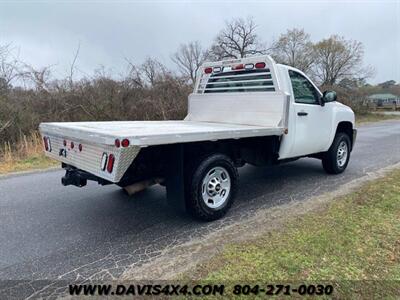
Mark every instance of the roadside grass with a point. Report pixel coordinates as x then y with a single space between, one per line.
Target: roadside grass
353 243
374 117
27 154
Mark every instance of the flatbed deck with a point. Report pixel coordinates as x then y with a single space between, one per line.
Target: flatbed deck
148 133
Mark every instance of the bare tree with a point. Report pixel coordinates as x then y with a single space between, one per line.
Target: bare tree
238 39
39 77
12 69
189 58
134 76
72 67
337 58
351 83
10 66
152 70
294 48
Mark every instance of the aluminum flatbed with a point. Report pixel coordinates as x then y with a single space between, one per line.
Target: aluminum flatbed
148 133
82 144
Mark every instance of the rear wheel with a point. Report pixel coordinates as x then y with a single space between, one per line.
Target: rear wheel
335 160
212 187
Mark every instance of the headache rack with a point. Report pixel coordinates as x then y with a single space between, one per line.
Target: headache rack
240 75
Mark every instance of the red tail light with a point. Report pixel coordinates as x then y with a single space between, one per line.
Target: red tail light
208 70
110 164
65 143
117 143
260 65
125 143
72 145
80 147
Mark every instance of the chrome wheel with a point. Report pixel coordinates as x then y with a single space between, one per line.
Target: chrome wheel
215 187
342 153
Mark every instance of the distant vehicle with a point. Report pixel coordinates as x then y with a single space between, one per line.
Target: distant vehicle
248 110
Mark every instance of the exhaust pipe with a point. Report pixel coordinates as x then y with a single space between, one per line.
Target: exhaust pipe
141 185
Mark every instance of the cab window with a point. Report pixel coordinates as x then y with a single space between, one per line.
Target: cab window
256 80
304 91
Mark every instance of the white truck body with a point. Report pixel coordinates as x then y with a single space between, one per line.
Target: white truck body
232 100
210 117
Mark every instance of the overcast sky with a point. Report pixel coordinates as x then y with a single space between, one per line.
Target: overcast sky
48 32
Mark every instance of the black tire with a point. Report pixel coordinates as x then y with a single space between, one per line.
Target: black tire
195 204
330 161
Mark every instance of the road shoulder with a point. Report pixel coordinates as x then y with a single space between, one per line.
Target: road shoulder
28 172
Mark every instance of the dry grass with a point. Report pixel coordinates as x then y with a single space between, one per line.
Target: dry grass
26 154
353 244
374 117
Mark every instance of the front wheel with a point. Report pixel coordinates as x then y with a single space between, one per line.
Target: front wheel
335 160
212 187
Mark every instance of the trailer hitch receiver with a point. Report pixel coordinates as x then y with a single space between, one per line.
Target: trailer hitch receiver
73 177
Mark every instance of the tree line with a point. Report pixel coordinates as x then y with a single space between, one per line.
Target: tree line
151 91
327 61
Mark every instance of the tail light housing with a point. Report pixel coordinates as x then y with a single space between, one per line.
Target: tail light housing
110 164
117 143
125 143
208 70
72 145
46 143
217 69
104 161
260 65
80 147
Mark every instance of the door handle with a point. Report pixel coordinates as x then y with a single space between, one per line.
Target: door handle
302 113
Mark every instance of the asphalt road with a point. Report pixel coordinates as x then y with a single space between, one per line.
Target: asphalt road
48 231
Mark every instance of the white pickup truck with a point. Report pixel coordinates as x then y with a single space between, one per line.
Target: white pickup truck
248 110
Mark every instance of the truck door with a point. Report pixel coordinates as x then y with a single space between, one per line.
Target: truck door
313 121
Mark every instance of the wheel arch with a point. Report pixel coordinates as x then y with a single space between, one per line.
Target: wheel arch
347 128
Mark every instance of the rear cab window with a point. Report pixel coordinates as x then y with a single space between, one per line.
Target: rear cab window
229 80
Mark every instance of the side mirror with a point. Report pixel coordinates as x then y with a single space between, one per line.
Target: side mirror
328 96
322 101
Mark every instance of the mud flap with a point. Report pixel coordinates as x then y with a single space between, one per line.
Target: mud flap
175 178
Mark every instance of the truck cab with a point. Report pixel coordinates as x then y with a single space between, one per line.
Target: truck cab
313 116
